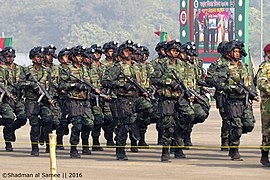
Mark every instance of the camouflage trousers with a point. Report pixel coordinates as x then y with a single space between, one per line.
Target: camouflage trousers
82 120
124 113
20 121
265 120
241 119
7 119
103 119
40 116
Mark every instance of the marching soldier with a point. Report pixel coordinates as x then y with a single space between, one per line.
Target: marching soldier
166 78
9 76
236 105
117 78
78 104
263 85
62 100
34 82
213 74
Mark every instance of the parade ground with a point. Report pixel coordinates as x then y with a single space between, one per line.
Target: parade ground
204 160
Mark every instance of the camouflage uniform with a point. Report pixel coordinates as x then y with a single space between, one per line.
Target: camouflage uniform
6 110
238 109
171 105
215 72
39 113
125 102
263 85
79 107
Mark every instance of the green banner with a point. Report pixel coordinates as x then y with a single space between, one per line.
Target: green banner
8 42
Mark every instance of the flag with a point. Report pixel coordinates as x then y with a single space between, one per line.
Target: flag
2 43
163 36
8 42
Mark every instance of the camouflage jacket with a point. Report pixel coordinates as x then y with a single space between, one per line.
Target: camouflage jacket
114 78
163 77
27 81
68 83
263 80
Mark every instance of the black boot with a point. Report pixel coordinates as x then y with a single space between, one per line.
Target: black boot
264 158
134 146
47 148
59 143
35 149
224 144
187 140
74 152
121 154
85 150
235 156
165 156
96 145
179 153
9 147
142 142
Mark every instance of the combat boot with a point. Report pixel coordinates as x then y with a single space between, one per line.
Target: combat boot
47 148
74 152
142 144
9 147
264 158
224 144
165 156
187 140
59 142
96 145
35 150
179 153
134 146
86 150
121 154
235 156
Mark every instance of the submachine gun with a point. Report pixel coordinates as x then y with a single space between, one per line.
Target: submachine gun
190 94
42 90
138 87
4 92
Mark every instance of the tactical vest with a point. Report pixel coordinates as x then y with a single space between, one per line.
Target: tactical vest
41 76
73 92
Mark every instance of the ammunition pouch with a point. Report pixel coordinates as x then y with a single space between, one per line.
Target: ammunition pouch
234 108
32 107
75 107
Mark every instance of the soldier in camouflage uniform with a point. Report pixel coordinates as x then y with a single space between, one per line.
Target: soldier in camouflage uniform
238 109
53 80
126 94
195 74
213 74
9 76
110 123
171 102
156 62
143 105
78 104
37 106
263 85
62 101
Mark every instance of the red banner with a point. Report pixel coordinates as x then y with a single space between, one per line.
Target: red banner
2 43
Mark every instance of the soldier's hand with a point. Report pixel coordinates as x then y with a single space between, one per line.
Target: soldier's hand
52 102
97 91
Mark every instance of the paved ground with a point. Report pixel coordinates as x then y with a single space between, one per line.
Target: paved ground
204 162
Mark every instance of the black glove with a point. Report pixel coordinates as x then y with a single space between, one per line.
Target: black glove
80 86
175 85
128 86
34 85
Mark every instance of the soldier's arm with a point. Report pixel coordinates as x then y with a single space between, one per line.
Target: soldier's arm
263 80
